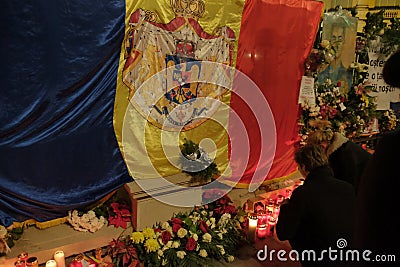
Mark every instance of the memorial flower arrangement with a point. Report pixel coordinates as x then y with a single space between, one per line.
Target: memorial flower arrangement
196 163
388 121
114 213
211 231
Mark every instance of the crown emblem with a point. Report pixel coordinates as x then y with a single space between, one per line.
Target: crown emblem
188 8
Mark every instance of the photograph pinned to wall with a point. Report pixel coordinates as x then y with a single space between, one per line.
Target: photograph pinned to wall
340 29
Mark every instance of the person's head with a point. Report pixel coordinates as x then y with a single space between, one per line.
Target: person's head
322 136
337 38
391 73
309 158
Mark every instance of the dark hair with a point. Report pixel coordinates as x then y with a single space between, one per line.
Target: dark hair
311 157
391 73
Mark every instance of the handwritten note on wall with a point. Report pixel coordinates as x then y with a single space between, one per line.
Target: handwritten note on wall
384 93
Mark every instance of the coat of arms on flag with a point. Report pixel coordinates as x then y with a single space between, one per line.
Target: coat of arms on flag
165 70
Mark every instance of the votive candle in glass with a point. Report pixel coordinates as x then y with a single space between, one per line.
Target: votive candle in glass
280 199
59 257
262 232
19 263
32 262
288 193
23 256
51 263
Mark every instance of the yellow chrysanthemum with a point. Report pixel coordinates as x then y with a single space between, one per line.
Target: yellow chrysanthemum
148 232
137 237
151 245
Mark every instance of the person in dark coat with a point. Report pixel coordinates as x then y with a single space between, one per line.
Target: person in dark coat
376 221
346 158
319 213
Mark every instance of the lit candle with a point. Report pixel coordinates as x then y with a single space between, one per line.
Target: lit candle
51 263
19 263
23 256
262 221
288 193
280 199
32 262
252 227
59 258
276 211
262 231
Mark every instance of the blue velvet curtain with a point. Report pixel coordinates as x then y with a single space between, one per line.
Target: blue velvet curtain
58 73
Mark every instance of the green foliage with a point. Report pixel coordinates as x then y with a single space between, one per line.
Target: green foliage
389 34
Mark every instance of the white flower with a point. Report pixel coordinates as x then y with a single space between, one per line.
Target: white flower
165 225
220 235
164 262
182 232
3 232
86 222
176 244
169 244
180 254
195 237
230 258
203 253
207 237
224 219
160 253
221 249
204 213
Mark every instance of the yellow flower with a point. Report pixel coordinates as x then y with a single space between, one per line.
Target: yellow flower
151 245
148 233
137 237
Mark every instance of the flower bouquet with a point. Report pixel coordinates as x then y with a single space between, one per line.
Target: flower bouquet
209 232
197 164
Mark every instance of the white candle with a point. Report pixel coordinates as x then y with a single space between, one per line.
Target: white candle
252 228
51 263
59 258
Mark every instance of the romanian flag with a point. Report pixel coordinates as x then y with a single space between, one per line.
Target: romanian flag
161 94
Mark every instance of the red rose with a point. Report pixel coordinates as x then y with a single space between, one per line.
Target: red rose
191 244
176 227
166 236
339 83
203 227
176 221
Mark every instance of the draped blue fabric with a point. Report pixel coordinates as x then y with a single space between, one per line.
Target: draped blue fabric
58 73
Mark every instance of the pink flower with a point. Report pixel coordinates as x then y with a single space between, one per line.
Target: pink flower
191 244
360 89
